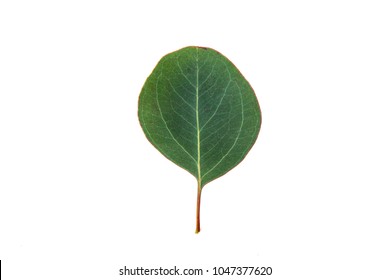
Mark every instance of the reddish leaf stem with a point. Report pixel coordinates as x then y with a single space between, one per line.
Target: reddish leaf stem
198 210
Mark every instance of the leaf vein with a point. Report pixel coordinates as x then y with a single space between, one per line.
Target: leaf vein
166 125
216 110
238 135
181 97
182 72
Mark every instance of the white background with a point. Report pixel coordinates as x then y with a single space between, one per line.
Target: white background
83 193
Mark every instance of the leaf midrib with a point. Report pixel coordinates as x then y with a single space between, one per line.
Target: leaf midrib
197 117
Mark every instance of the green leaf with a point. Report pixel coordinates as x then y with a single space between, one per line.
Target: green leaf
198 110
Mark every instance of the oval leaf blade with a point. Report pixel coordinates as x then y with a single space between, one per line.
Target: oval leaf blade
199 111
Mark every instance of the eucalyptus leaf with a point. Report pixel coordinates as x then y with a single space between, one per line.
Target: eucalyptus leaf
198 110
